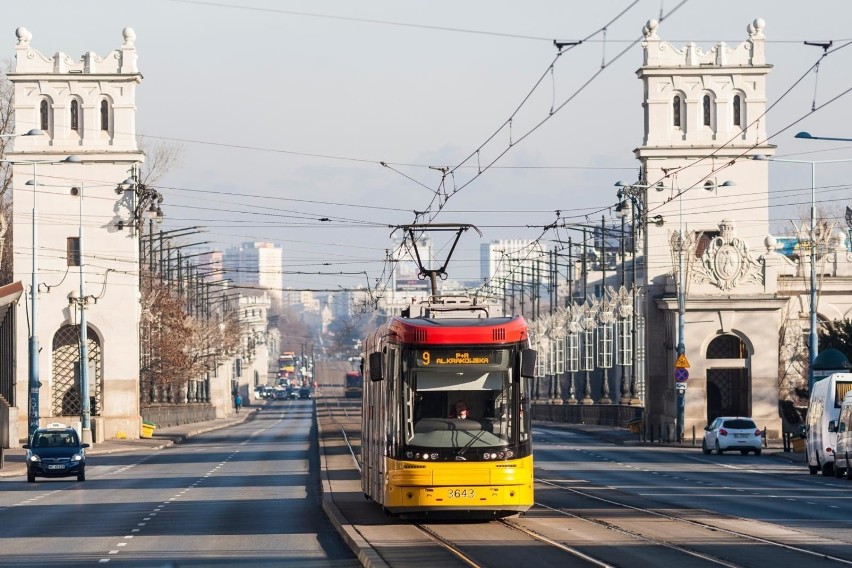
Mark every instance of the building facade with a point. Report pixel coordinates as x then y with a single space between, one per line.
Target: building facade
85 108
712 271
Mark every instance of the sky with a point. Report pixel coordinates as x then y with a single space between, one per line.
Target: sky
322 126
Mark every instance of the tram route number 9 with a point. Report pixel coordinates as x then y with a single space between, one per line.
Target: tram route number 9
456 357
461 493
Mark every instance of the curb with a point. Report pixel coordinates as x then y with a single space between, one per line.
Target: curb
366 554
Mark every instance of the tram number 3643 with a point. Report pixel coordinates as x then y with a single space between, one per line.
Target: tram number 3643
461 493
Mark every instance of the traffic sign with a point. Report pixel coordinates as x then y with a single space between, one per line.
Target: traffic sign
681 362
681 375
680 387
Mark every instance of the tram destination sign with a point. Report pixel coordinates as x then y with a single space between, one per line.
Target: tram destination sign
454 357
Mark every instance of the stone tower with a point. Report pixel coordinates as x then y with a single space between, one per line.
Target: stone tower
704 118
74 239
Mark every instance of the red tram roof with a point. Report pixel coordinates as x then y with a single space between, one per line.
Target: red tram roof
428 331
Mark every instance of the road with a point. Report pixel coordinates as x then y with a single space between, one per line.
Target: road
604 504
244 496
249 495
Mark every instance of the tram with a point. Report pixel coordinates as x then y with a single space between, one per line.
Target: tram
420 456
353 384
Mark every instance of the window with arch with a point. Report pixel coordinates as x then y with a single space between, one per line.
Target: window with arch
677 104
738 111
104 115
727 346
44 116
705 103
75 116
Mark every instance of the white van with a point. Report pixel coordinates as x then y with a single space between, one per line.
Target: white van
843 449
823 412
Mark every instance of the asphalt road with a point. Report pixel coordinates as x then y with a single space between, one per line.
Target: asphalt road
247 495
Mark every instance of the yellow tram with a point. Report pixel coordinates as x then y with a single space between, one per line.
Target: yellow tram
445 416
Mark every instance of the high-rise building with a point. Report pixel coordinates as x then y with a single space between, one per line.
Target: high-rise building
256 264
504 260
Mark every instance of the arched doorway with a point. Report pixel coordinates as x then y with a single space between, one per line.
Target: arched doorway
728 379
66 372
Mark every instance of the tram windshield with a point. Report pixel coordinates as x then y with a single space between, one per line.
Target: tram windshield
464 408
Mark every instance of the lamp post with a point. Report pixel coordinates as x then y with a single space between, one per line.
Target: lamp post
33 379
33 383
637 195
809 136
813 337
85 398
683 243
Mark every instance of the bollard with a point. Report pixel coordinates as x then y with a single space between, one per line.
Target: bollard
2 458
765 441
693 434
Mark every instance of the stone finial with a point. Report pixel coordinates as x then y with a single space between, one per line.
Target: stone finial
24 36
770 243
755 29
650 29
129 37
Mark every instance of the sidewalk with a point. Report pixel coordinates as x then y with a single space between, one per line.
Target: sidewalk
163 437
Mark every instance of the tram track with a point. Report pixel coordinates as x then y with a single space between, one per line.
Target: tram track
433 532
670 544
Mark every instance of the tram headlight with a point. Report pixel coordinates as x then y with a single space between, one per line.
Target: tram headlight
434 456
409 454
509 453
502 455
485 456
425 456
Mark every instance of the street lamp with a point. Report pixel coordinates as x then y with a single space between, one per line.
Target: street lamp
682 242
33 382
813 341
809 136
637 195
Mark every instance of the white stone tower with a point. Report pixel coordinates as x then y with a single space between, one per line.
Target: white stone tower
704 122
86 108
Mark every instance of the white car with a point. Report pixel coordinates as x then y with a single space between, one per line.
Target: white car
732 433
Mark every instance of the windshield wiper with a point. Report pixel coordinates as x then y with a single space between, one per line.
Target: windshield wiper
473 439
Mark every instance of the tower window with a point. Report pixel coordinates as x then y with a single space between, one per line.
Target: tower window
738 121
75 116
676 111
706 104
45 123
104 115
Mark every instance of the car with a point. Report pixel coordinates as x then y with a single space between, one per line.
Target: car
304 392
55 451
732 433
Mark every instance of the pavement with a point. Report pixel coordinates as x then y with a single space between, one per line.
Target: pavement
12 463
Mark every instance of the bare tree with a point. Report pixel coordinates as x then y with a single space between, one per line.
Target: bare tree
160 158
7 126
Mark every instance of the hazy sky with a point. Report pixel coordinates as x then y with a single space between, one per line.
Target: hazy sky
285 111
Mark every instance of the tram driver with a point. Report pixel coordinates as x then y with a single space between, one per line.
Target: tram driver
460 411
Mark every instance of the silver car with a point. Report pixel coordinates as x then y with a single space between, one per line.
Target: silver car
732 433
